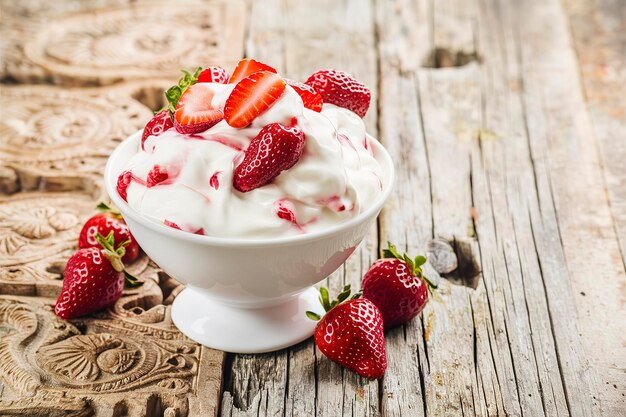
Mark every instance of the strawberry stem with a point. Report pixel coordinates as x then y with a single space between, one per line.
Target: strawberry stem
174 93
105 208
114 255
328 304
415 264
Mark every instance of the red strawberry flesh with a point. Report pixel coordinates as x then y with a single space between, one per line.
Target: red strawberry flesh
246 67
312 99
194 112
252 96
213 75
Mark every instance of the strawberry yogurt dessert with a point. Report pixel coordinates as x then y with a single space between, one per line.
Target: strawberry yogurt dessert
255 155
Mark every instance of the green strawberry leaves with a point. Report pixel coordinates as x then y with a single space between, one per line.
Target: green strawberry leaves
328 304
105 208
414 264
174 93
114 255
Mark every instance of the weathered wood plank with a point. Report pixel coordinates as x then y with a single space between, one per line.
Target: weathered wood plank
477 140
598 33
298 40
563 133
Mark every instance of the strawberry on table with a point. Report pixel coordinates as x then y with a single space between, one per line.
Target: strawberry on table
351 334
337 87
276 148
157 125
93 279
247 67
213 75
194 111
252 96
108 221
397 285
312 99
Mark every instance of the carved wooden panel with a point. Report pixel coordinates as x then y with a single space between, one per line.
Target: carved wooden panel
88 366
136 41
129 360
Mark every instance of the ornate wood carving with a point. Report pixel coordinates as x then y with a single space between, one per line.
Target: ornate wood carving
54 141
135 41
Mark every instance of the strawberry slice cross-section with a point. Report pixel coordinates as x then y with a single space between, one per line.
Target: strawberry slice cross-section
194 112
247 67
252 96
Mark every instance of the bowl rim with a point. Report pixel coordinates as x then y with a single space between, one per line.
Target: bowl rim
110 183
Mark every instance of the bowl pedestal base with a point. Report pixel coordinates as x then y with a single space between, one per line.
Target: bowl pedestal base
244 330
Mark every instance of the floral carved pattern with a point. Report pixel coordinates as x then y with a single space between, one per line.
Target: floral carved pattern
104 46
110 61
85 361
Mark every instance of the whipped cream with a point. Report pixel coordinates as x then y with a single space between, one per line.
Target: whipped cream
336 178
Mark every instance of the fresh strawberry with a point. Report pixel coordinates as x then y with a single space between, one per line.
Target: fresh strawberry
194 111
247 67
213 75
108 221
337 87
276 148
311 98
123 181
93 279
157 125
397 286
252 96
351 334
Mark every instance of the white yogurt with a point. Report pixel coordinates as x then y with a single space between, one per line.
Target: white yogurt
335 179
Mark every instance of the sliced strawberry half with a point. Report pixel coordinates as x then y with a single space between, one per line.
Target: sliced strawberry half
247 67
194 112
213 75
252 96
337 87
312 99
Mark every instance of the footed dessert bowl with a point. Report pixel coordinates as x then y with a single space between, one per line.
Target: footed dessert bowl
246 295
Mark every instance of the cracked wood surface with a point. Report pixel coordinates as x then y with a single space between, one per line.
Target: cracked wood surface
497 155
505 120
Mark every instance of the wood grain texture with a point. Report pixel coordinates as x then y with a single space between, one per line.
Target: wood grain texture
597 29
300 381
139 40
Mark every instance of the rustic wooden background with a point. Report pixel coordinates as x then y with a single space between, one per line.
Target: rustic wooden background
507 123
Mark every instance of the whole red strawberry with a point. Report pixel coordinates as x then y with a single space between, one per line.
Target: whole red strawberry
276 148
93 279
337 87
397 286
351 334
108 221
157 125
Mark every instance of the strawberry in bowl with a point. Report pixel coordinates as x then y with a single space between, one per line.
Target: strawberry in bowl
259 188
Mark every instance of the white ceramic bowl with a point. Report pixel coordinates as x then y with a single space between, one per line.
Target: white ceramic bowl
245 295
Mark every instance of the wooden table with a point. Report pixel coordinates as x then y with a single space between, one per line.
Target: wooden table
506 121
